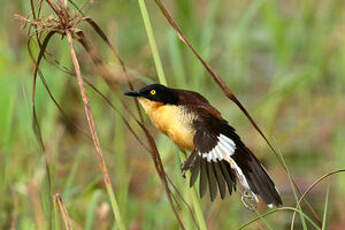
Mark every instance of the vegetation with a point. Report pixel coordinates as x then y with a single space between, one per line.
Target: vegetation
282 59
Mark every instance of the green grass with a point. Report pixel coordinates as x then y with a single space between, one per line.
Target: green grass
284 61
324 219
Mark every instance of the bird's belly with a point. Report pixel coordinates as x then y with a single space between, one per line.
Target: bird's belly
176 124
184 139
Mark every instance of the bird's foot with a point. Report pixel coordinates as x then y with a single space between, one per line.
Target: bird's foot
249 200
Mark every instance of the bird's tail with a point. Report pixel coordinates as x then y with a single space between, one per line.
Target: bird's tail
253 176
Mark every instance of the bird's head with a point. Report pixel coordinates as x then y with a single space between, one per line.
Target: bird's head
156 93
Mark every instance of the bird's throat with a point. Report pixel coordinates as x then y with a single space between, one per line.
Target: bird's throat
149 106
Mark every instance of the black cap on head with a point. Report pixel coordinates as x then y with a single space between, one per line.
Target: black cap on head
156 92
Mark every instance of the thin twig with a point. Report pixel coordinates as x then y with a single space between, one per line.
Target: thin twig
63 210
90 120
35 123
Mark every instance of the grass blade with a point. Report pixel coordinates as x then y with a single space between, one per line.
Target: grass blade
324 218
152 42
63 210
162 79
314 184
91 210
277 210
195 199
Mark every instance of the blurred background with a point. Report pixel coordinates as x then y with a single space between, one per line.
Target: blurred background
285 61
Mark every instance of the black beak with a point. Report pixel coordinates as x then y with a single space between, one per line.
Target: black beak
132 93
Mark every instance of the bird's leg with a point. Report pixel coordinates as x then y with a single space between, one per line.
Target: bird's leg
188 163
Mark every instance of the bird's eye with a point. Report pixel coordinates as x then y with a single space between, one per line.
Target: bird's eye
153 92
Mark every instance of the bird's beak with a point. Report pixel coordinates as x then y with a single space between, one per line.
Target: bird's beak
132 93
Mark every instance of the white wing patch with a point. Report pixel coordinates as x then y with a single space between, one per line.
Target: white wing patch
222 151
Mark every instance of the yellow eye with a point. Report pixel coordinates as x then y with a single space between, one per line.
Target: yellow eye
153 92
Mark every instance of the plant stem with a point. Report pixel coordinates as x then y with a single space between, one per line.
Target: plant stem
195 198
162 80
324 219
152 41
95 140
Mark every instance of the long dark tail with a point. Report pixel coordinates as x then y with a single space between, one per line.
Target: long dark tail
256 176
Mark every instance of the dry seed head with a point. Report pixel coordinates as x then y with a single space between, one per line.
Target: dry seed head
60 20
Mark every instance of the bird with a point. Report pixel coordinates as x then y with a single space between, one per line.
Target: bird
218 155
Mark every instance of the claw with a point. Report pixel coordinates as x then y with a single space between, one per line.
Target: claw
183 169
188 164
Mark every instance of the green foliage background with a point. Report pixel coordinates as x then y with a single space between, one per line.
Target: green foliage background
283 59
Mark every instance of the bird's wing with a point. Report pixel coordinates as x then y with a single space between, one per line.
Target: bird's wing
210 159
221 158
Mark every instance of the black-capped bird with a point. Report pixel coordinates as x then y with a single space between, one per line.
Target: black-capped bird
217 153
